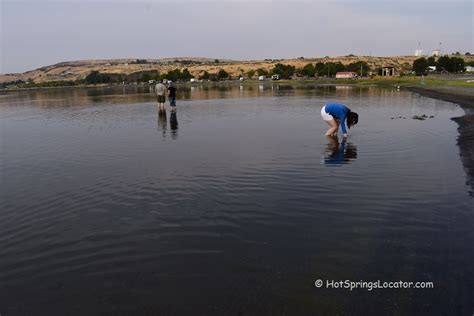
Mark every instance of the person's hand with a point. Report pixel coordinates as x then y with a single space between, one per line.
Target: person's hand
344 135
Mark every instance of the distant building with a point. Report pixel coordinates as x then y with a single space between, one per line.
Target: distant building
346 75
435 53
388 71
418 52
431 68
469 69
261 78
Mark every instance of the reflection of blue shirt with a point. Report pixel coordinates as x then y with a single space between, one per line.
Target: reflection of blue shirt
339 111
337 157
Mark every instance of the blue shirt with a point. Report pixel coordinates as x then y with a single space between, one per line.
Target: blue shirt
338 111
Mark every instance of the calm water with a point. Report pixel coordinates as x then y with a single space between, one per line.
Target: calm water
235 206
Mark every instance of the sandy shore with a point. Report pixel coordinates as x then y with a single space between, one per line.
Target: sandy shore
465 98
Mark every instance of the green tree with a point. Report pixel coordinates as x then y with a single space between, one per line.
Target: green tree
319 67
262 72
420 66
216 61
96 77
174 75
330 69
186 75
222 74
357 66
432 61
250 73
451 64
444 63
457 64
308 70
285 71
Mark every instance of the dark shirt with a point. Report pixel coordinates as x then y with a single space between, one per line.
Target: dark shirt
172 92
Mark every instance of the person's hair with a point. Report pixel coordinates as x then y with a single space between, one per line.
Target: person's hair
352 119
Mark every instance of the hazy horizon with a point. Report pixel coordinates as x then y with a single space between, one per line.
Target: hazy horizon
40 33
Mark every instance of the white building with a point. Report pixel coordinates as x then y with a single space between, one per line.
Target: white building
418 52
435 53
469 68
261 78
346 75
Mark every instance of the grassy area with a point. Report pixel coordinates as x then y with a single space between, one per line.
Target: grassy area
415 82
405 81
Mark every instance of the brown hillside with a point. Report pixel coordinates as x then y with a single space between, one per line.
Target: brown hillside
74 70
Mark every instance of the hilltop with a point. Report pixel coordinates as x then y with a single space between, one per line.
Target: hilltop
128 68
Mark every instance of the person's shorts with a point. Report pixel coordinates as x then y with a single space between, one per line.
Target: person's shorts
161 99
326 116
172 101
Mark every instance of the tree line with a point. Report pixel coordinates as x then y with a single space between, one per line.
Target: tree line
310 70
443 63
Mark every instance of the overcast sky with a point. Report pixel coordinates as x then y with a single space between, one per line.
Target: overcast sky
36 33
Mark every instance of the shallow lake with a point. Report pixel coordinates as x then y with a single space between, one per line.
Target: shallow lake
236 205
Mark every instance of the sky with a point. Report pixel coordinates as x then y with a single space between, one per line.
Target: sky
35 33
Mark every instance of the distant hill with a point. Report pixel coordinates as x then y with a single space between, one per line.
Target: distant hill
74 70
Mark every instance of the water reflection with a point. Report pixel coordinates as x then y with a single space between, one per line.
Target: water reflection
174 125
337 154
162 122
140 94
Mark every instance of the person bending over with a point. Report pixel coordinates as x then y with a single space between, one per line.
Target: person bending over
336 114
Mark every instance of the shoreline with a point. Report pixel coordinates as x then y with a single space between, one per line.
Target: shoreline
465 98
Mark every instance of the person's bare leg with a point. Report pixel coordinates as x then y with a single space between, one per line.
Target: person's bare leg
337 127
333 128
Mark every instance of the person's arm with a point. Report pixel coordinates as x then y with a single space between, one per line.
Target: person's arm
343 125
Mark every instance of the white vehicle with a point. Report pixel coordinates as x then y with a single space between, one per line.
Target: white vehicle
261 78
193 80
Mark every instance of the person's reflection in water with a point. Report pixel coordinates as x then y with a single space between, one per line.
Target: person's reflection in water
174 124
339 153
162 122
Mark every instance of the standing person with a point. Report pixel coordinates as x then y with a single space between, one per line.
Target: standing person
172 96
160 90
336 114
